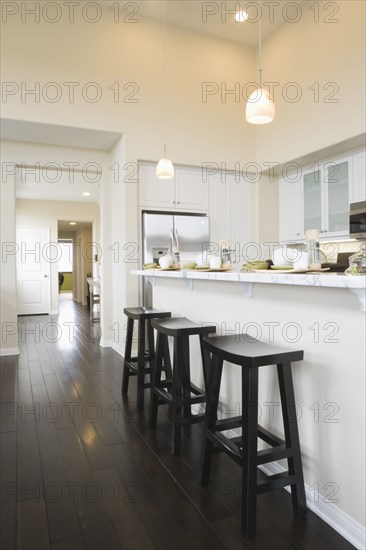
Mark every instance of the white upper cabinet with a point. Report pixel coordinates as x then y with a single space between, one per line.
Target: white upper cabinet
231 213
358 188
321 198
337 178
153 192
291 219
191 191
186 192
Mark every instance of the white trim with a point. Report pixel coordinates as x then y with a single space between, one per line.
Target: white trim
341 522
117 348
9 351
106 343
54 312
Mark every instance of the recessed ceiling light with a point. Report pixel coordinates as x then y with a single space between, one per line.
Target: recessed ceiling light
241 16
86 194
72 223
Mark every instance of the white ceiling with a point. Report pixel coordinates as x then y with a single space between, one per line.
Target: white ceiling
217 18
64 226
56 185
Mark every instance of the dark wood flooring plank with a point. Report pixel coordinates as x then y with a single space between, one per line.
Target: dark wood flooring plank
159 523
32 528
77 543
118 499
66 408
8 393
83 415
35 371
90 395
85 489
61 511
29 473
8 493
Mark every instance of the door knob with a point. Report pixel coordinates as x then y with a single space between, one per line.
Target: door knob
45 275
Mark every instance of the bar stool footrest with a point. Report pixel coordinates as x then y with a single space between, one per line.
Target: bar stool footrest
277 481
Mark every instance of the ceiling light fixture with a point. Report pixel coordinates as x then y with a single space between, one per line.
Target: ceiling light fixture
165 168
241 16
72 223
86 194
260 106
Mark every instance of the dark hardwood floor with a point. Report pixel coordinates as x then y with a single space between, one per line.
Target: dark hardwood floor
81 469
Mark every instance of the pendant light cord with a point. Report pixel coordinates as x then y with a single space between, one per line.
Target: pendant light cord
164 81
260 46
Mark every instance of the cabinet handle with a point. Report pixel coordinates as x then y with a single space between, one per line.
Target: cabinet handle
173 202
178 202
298 234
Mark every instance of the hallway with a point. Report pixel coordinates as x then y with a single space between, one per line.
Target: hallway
81 469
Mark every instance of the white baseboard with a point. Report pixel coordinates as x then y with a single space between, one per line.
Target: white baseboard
55 312
118 349
9 351
341 522
106 343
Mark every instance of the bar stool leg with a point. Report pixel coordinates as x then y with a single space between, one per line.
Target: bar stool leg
156 377
167 366
186 377
292 437
150 338
249 442
177 395
213 391
128 347
141 365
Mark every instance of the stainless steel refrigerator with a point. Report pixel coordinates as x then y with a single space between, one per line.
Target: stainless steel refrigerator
157 228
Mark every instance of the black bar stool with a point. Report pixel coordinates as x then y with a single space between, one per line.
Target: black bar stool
180 393
250 354
142 363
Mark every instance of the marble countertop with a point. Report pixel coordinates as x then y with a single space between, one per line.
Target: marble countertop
324 279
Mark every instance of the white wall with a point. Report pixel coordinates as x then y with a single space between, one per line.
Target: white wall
32 213
305 53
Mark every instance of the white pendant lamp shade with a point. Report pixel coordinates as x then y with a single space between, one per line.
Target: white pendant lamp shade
165 169
260 107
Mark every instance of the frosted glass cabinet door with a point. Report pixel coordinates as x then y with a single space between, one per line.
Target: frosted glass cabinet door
312 200
337 178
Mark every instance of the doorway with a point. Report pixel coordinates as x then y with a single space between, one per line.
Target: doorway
65 269
76 259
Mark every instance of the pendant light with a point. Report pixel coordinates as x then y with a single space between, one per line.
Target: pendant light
260 106
165 168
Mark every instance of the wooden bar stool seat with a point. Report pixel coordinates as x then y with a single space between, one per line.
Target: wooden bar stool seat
141 364
179 392
250 354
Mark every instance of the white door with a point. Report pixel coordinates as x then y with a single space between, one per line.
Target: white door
33 270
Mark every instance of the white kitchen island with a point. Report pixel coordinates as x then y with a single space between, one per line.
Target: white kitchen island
323 314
